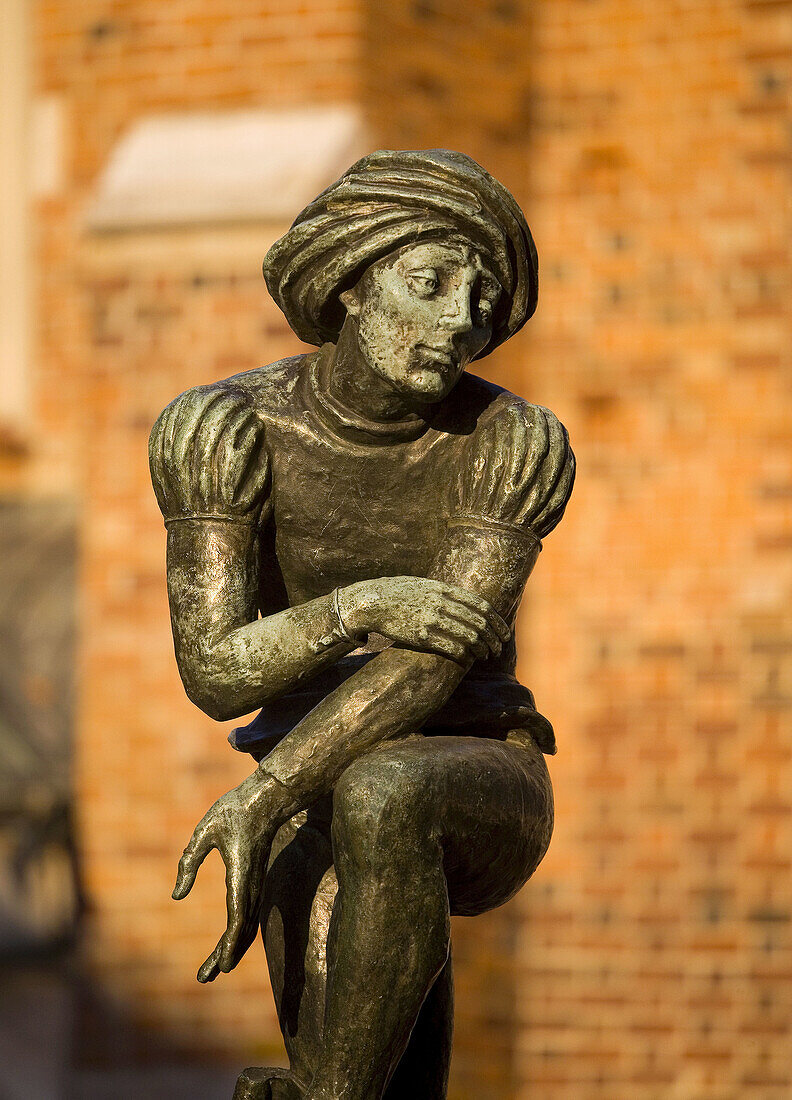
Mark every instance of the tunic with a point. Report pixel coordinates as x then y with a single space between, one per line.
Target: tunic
387 493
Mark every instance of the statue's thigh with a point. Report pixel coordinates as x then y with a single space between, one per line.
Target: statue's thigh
494 801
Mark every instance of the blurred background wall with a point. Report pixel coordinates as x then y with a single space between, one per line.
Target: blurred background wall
649 144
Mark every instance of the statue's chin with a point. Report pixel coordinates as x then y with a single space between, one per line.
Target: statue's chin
430 385
415 378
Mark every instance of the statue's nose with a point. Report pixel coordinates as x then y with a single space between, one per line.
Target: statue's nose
457 317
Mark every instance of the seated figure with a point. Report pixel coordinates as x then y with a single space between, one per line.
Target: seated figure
349 535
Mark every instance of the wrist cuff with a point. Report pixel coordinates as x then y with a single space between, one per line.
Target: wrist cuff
487 523
291 801
340 620
242 521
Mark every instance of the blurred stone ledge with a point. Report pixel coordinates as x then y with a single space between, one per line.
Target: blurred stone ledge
204 168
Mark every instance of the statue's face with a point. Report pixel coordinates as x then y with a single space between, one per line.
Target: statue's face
423 314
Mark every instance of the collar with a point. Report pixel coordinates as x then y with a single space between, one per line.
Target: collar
344 421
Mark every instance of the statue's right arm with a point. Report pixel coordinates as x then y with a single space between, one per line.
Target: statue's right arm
211 475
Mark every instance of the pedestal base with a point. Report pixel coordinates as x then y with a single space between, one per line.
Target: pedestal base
261 1083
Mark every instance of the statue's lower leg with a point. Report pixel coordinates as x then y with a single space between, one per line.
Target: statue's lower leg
389 941
298 899
422 1072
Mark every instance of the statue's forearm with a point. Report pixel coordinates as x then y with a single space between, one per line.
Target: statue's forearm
391 696
231 661
261 660
399 690
494 560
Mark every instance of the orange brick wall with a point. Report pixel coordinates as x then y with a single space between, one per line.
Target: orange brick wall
650 146
108 62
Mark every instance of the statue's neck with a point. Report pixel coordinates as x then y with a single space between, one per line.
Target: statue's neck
353 384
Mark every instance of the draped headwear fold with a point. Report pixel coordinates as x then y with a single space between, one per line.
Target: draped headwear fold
385 201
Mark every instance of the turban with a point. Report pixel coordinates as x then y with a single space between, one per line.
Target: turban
387 200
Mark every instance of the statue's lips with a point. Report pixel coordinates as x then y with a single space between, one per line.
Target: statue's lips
439 356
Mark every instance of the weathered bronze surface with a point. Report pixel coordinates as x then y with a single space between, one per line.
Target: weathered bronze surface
349 536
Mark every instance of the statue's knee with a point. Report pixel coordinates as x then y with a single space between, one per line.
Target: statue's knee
376 807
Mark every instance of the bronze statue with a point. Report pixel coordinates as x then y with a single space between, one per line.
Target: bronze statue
349 535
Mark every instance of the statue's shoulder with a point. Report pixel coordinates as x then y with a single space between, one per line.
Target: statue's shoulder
263 388
265 392
519 468
493 409
269 388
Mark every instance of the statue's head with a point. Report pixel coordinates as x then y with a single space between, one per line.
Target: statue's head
423 312
428 255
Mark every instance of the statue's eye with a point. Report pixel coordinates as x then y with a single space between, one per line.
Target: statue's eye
423 282
485 310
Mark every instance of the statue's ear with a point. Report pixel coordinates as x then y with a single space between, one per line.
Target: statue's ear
351 301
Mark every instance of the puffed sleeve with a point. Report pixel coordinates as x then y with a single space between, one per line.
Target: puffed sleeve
208 458
511 487
519 470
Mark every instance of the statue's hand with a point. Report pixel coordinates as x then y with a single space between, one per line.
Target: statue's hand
241 825
207 456
424 614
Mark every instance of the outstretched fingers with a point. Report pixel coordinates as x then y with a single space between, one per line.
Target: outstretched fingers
222 959
209 969
242 908
236 911
198 848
